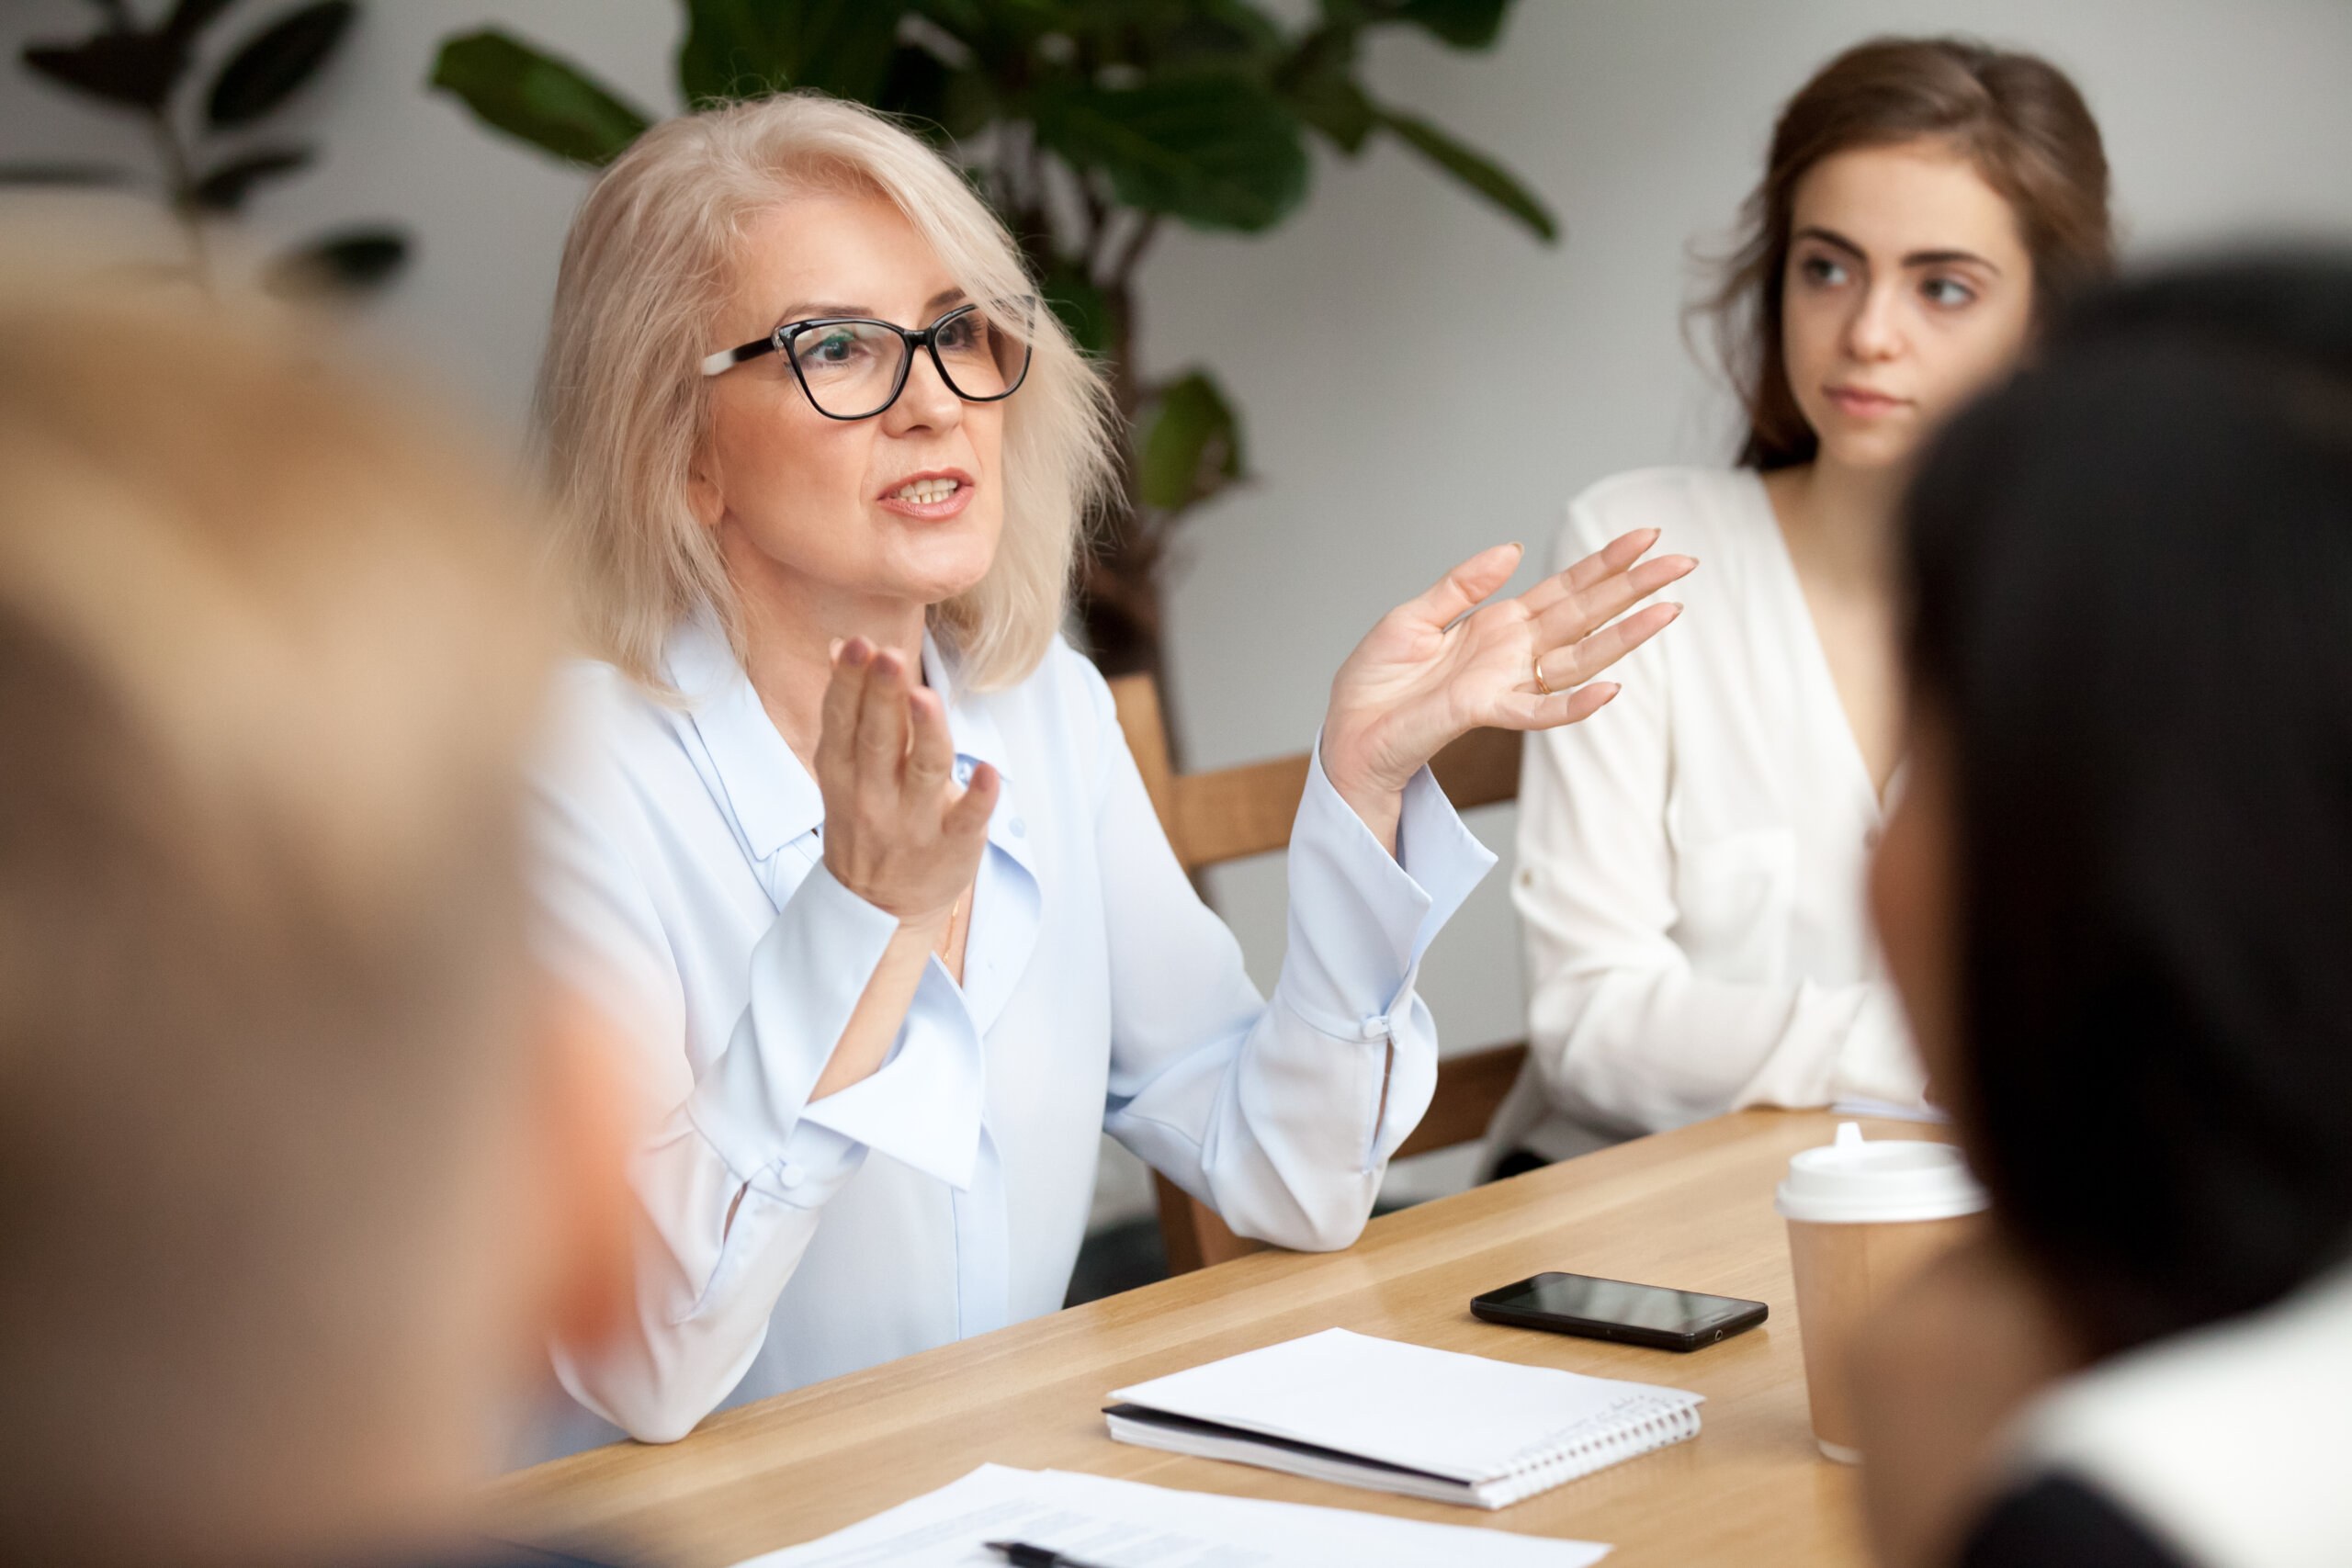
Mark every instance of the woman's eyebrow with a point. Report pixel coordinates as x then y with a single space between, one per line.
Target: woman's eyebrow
1948 258
816 310
1916 258
1830 237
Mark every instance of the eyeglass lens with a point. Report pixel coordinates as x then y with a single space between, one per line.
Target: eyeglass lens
854 369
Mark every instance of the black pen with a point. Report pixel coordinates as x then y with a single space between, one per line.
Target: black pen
1021 1554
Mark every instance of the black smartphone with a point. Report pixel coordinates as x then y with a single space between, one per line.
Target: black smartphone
1615 1309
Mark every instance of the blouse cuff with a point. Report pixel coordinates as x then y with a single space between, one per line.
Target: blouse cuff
922 1107
1360 917
808 973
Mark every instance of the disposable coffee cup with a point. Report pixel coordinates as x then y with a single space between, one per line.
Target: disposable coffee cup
1864 1216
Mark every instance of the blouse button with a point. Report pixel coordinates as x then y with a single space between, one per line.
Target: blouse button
1373 1027
790 1175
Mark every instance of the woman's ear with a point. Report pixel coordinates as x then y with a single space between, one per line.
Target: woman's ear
705 496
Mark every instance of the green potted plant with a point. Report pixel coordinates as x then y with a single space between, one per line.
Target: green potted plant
213 147
1089 124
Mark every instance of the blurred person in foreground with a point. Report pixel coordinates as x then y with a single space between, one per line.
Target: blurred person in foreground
299 1163
2117 902
1691 865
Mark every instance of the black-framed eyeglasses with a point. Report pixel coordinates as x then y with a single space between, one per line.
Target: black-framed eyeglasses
854 367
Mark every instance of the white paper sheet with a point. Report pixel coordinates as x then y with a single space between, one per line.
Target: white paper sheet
1123 1524
1467 1417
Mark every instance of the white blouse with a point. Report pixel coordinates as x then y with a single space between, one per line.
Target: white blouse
684 888
1692 858
2228 1442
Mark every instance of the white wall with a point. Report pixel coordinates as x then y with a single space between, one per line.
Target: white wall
1420 378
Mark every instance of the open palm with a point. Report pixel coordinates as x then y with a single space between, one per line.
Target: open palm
1445 663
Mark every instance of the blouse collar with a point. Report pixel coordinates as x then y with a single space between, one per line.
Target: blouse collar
772 797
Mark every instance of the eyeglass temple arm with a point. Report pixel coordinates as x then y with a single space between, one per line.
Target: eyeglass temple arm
726 359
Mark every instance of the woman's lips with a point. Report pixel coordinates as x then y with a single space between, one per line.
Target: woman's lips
1855 402
930 497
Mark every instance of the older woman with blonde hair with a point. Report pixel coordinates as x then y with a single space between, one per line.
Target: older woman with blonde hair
846 838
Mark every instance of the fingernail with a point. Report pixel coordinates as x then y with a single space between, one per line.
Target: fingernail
834 649
1674 606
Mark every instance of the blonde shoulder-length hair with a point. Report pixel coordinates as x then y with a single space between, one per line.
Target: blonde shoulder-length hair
622 402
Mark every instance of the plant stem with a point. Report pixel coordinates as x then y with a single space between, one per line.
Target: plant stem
1131 257
181 179
1098 229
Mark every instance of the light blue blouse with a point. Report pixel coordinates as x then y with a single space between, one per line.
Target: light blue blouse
684 886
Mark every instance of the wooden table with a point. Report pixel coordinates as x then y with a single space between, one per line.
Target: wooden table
1692 1208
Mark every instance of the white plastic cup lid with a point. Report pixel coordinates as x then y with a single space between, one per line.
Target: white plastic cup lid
1856 1181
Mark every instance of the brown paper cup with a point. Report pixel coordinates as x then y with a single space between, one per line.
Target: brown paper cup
1843 1271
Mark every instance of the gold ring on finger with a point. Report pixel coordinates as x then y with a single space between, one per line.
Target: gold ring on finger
1540 684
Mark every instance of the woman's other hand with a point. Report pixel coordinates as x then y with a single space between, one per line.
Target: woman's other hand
900 833
1443 665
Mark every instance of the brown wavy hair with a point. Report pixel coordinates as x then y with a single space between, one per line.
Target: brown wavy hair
2016 117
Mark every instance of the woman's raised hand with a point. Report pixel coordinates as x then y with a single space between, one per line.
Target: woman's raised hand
899 831
1444 664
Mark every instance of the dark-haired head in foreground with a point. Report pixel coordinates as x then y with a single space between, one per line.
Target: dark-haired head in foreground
2131 589
2117 897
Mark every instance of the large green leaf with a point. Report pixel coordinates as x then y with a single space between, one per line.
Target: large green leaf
1193 449
547 102
1476 170
941 99
736 48
1185 35
269 66
1318 82
128 66
135 70
1218 152
1464 24
345 264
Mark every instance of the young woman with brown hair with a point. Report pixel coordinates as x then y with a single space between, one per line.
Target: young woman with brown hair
1690 867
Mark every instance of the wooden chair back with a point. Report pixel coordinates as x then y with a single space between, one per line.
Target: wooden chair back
1233 813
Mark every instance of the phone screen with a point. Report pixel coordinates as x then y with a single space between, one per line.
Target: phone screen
1615 1300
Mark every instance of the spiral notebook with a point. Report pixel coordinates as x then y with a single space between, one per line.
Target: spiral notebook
1435 1424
